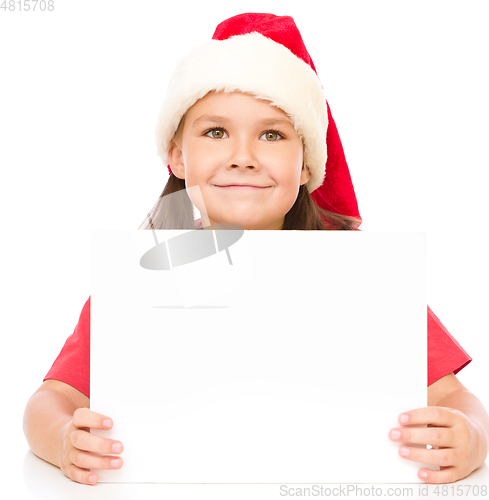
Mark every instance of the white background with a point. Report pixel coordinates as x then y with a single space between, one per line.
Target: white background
80 90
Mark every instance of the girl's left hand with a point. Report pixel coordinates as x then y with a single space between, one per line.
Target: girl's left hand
453 437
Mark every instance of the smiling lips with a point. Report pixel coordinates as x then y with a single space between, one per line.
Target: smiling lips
240 186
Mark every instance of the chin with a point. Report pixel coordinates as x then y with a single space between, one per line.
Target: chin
247 222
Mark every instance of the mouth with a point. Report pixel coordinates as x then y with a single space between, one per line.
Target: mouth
240 186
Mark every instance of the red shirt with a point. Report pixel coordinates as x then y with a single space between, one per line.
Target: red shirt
72 366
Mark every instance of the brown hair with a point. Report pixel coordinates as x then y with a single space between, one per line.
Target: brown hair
176 212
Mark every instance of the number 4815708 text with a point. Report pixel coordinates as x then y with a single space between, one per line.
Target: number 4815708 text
27 5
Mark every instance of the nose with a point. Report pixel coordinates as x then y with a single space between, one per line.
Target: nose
242 155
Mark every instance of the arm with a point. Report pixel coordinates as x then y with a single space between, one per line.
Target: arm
48 411
458 429
449 392
57 421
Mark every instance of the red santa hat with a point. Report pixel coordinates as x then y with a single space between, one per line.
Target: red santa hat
264 55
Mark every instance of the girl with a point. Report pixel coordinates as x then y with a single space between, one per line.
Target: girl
246 121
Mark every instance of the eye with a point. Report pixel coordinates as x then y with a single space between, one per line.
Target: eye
216 133
271 136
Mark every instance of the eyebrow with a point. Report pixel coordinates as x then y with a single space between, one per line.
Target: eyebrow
223 120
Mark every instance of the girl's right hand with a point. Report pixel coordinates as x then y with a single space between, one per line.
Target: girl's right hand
82 451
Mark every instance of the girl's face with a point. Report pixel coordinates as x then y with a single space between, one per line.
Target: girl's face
245 156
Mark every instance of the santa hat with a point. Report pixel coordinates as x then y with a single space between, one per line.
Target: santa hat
264 55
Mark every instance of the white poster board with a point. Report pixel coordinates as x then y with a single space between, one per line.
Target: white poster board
279 368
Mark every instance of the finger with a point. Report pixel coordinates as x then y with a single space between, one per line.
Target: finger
84 417
87 460
434 415
90 442
444 457
448 475
434 436
81 476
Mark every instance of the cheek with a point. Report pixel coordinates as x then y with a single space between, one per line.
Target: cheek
200 162
289 167
194 168
292 154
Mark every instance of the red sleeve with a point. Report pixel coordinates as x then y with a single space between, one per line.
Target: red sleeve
72 366
445 354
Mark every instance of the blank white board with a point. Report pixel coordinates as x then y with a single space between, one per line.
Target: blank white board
288 366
